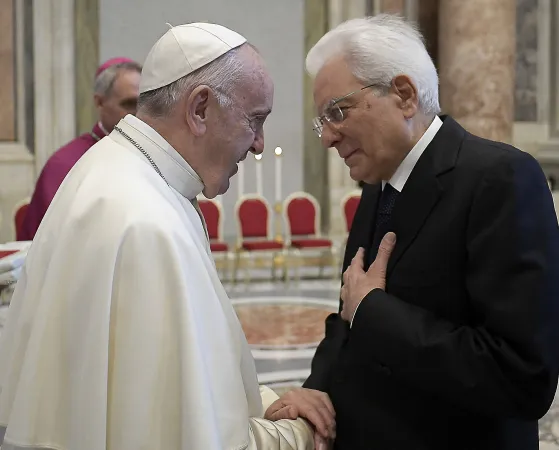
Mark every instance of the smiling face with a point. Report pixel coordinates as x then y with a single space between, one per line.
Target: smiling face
375 134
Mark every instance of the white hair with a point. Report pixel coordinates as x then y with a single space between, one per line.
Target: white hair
378 49
220 75
105 81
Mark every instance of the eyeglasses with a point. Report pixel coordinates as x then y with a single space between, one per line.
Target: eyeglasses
333 112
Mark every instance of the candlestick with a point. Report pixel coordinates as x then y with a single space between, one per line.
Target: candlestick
241 180
259 188
278 152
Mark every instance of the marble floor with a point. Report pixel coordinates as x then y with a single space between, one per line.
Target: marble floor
285 322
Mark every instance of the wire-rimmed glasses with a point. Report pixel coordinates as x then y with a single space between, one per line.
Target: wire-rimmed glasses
333 112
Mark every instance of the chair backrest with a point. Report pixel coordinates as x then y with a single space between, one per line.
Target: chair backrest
212 212
349 206
253 217
302 214
19 218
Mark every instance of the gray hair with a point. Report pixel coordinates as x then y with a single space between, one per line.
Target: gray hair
105 81
220 75
378 49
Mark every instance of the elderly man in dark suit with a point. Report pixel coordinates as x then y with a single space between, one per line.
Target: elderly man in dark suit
450 338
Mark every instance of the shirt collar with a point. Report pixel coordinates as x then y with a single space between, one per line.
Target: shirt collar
405 168
172 165
98 132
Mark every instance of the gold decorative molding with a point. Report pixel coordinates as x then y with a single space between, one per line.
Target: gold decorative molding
86 23
7 72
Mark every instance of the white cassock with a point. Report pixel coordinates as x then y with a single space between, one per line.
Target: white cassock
120 335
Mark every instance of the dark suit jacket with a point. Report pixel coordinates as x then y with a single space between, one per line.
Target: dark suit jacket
462 350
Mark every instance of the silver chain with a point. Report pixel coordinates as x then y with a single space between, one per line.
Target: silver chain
146 154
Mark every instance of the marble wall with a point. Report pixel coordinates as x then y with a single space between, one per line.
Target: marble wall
526 85
16 111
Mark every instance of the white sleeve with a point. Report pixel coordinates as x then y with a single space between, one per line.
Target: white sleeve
282 434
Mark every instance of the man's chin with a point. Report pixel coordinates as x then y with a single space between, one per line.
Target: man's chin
224 187
358 176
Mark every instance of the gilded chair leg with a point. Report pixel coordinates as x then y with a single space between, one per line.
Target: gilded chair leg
229 264
235 273
323 256
248 262
298 264
285 265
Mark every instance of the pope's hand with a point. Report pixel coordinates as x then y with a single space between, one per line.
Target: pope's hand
358 283
315 406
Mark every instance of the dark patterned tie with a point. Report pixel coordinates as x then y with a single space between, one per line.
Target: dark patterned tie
382 222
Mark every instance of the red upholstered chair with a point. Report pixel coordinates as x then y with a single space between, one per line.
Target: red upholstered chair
255 240
350 202
213 215
19 216
301 213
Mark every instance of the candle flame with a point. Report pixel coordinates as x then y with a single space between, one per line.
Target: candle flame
258 157
278 151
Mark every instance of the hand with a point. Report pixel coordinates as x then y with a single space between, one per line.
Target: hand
320 443
358 283
315 406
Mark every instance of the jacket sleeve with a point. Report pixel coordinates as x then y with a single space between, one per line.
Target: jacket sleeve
327 353
282 434
505 363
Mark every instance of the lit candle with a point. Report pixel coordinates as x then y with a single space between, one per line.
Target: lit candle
258 159
241 180
278 152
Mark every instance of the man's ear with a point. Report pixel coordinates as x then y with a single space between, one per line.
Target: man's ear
197 105
98 100
406 91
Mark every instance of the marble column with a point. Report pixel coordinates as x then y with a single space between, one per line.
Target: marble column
428 21
393 6
339 181
477 65
315 158
86 26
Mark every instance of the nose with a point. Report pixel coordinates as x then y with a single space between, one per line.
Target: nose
258 144
329 136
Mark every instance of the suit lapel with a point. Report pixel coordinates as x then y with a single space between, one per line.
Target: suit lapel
423 189
414 204
361 234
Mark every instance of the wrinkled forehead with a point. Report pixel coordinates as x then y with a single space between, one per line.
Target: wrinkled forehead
333 80
257 90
